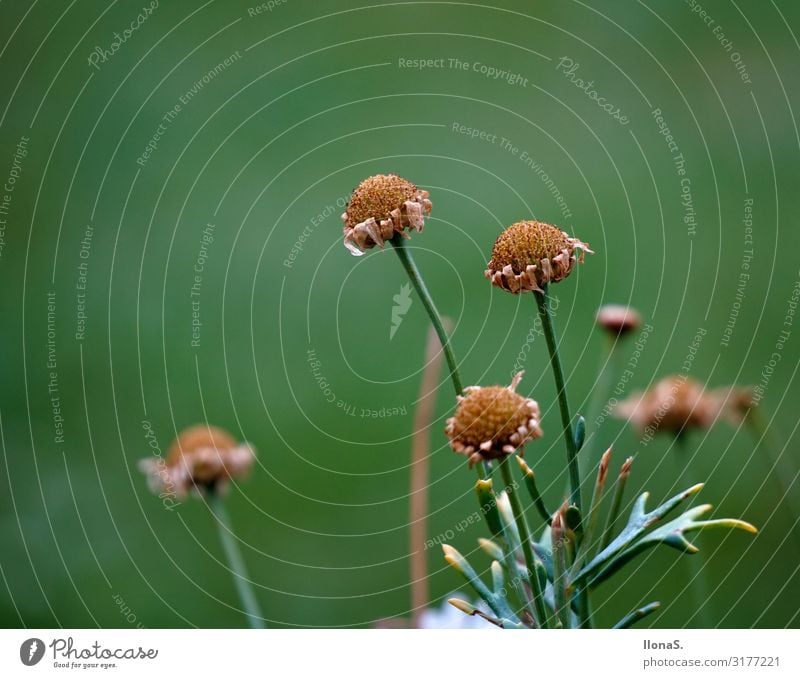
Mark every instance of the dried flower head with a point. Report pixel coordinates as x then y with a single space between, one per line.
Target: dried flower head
202 457
675 404
734 402
618 320
530 254
492 421
381 206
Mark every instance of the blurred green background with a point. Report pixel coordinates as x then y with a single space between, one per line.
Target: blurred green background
315 97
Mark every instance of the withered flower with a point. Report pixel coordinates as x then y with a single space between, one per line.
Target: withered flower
530 254
618 320
202 457
675 404
734 402
493 421
381 206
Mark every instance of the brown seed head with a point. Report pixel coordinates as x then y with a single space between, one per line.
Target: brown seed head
618 320
675 404
195 438
735 402
202 456
492 421
381 206
530 254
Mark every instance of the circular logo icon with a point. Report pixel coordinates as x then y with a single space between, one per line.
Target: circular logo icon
31 651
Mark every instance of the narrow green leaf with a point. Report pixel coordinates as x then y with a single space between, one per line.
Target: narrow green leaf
488 506
632 617
638 523
594 512
491 549
496 603
509 525
471 610
573 519
561 600
616 502
533 490
580 433
498 580
672 534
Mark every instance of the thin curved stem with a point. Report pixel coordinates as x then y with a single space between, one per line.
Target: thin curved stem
525 540
548 327
419 478
600 396
698 586
410 265
237 567
784 476
399 244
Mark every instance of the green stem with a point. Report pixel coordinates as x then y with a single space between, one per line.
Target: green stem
235 561
561 603
533 490
695 567
632 617
587 541
616 504
417 281
427 301
783 472
525 540
558 372
600 394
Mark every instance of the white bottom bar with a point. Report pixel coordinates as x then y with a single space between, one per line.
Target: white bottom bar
406 653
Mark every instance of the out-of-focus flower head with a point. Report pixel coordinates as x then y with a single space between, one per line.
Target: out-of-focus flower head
202 457
675 404
618 320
